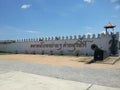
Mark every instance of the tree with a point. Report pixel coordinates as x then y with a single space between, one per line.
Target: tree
114 42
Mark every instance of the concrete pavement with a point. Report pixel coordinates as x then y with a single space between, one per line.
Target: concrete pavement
17 80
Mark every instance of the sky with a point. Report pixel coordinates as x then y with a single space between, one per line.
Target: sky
21 19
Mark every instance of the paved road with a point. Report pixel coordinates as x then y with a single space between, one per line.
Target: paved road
87 75
16 80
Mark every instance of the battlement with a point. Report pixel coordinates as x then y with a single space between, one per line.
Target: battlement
7 41
76 44
75 37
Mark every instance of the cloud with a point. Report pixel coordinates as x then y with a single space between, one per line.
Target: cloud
88 28
114 1
25 6
102 32
114 16
117 7
88 1
88 33
30 31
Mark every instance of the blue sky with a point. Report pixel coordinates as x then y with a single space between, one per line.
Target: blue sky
43 18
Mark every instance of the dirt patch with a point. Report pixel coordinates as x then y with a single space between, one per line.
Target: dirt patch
70 61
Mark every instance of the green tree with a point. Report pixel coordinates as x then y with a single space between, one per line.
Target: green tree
114 45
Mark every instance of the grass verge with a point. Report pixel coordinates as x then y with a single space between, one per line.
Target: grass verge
5 53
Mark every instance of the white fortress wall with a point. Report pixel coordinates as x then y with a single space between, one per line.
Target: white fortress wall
60 45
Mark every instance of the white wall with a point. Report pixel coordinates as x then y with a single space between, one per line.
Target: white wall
24 46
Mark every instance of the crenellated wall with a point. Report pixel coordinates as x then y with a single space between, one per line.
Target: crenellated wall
80 44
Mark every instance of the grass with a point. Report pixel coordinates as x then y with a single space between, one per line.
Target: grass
116 60
69 55
5 53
